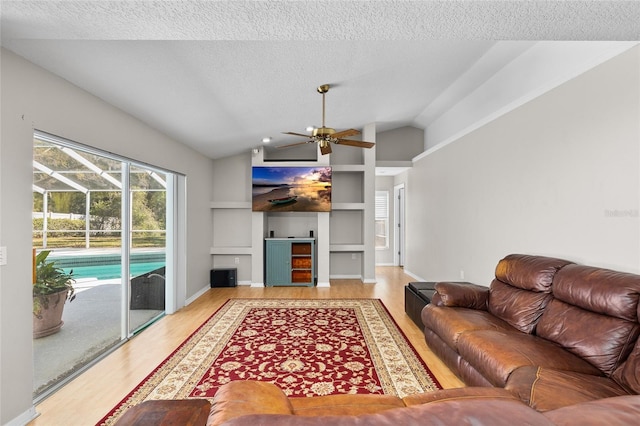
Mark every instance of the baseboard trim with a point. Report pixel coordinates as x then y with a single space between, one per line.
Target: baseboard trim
257 284
24 418
414 276
195 296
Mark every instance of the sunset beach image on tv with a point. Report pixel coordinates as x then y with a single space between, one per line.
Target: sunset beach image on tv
296 189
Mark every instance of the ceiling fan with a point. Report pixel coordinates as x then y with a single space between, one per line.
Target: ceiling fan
325 136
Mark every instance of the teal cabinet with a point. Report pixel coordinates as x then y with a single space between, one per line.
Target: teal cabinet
289 262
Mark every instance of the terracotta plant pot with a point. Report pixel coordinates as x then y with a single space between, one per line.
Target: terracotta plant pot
50 321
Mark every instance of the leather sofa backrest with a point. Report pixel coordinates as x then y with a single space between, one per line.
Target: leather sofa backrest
534 273
594 314
522 289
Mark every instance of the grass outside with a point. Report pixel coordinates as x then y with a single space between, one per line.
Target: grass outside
100 242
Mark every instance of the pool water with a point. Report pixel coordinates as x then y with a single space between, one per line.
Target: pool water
106 272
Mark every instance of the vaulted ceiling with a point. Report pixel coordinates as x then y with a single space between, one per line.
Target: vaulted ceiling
221 75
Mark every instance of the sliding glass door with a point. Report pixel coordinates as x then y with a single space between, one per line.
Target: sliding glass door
104 220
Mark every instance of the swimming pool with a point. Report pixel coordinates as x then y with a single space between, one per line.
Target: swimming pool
107 266
107 272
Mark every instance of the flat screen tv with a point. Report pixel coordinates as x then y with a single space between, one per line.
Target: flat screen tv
291 189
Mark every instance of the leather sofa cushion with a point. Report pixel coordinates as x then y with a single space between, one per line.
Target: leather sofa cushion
534 273
450 323
618 411
602 340
547 389
599 290
522 289
496 354
628 374
520 308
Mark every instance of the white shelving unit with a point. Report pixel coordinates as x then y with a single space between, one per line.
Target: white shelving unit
348 251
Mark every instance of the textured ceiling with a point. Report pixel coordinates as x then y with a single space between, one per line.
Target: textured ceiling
221 75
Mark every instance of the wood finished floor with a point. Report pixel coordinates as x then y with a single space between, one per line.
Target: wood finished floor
85 400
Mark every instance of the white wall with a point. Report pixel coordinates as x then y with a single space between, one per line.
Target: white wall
36 99
557 176
401 144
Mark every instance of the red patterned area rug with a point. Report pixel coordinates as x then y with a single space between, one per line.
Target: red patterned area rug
307 347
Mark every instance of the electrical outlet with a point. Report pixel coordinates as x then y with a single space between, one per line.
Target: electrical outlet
236 260
354 256
3 256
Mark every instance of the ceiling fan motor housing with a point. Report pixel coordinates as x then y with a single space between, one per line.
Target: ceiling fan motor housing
323 131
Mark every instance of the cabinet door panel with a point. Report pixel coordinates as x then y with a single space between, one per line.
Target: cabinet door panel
278 263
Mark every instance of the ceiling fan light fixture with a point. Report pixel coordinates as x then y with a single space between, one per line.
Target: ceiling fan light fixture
310 128
266 140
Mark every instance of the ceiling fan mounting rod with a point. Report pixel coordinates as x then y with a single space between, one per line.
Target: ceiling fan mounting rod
323 132
322 90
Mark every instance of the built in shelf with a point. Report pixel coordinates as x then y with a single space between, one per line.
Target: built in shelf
231 250
400 164
347 168
346 247
230 204
347 206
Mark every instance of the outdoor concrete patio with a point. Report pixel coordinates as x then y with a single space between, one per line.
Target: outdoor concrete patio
91 327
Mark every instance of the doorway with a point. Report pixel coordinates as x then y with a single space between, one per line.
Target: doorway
399 215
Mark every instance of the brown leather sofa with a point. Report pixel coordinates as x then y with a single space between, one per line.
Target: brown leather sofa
551 332
259 403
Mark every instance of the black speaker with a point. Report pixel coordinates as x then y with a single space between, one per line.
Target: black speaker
223 277
311 233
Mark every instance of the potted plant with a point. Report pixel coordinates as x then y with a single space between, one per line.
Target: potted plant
52 287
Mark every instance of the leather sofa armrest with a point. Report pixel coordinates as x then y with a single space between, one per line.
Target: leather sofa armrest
463 295
241 398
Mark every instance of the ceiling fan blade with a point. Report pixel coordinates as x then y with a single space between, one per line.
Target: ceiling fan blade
359 144
325 149
293 144
296 134
345 133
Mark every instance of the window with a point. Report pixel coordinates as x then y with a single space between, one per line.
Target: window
382 220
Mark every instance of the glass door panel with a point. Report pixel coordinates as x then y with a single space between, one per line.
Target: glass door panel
148 246
77 218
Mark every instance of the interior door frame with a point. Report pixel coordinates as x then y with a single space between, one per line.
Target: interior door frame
399 224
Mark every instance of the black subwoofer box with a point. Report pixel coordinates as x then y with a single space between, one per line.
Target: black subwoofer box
223 277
